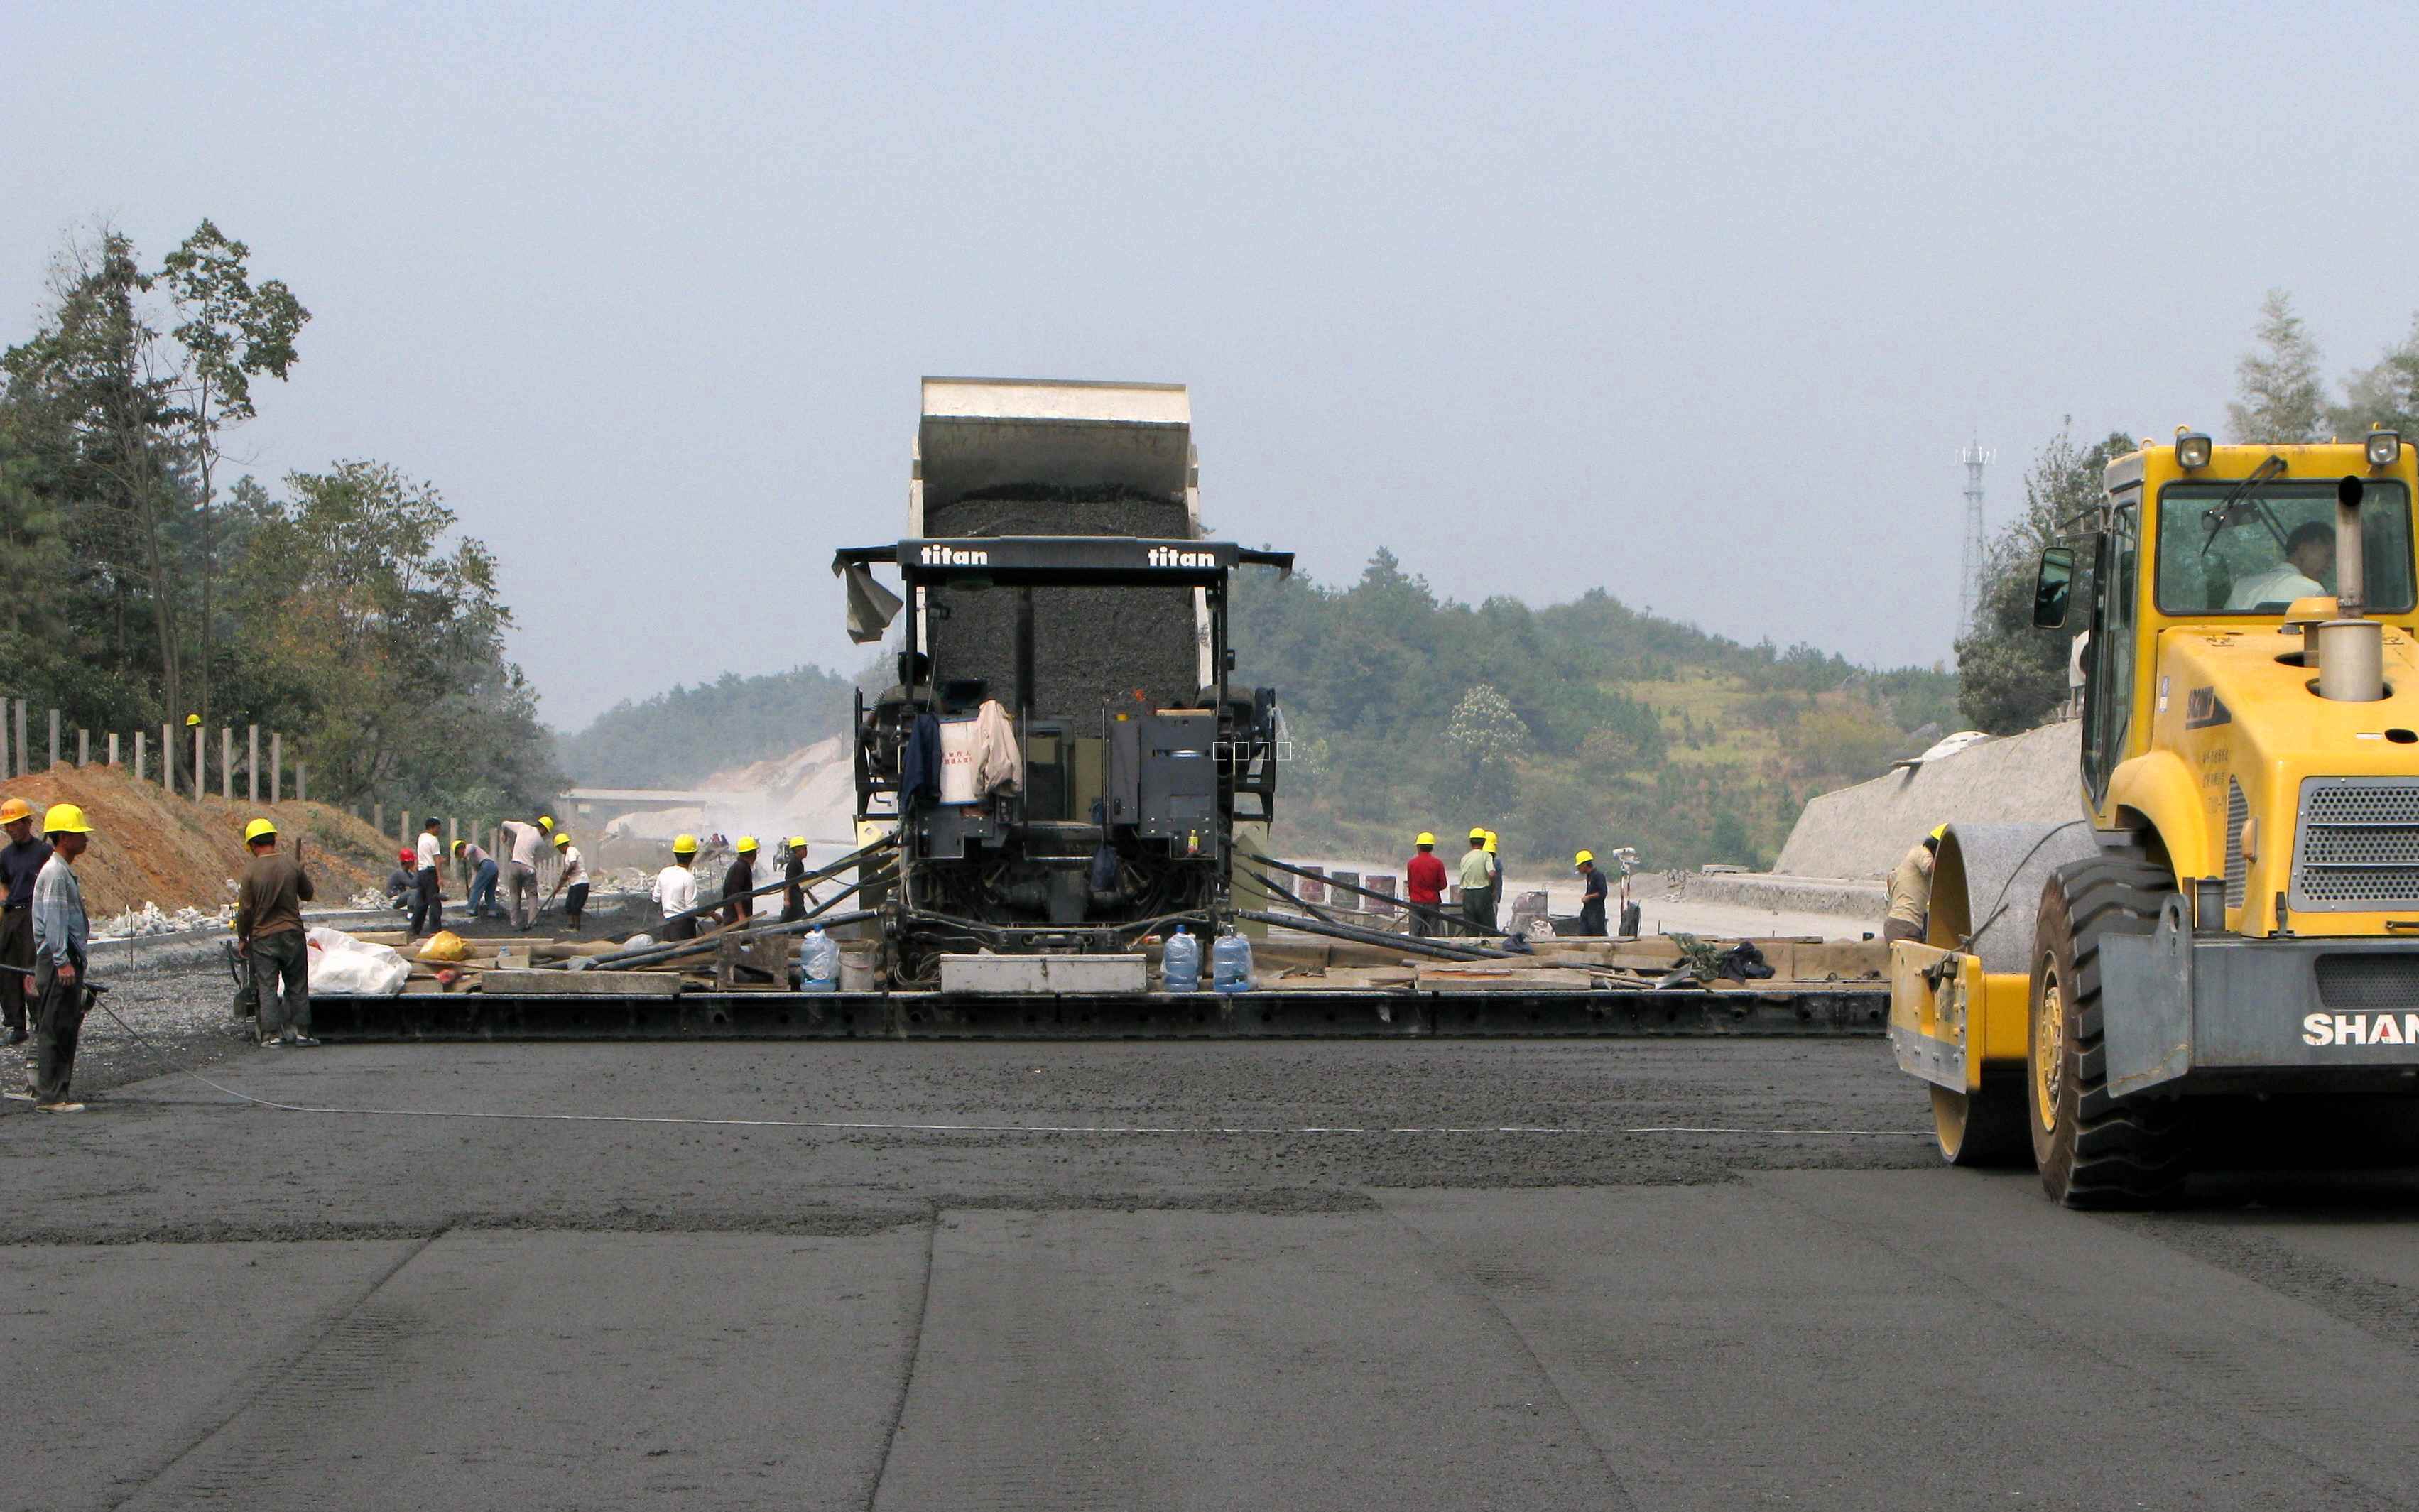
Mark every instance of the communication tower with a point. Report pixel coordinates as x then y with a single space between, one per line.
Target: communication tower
1976 456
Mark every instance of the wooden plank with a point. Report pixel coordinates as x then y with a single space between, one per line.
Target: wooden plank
598 984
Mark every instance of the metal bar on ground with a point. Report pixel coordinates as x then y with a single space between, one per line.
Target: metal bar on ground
1440 915
676 948
1371 936
824 874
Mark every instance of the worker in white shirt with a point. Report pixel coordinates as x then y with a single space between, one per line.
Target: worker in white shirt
676 888
575 877
428 895
524 844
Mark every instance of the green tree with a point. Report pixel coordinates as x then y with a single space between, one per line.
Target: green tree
2386 394
1489 737
231 332
2279 398
2012 675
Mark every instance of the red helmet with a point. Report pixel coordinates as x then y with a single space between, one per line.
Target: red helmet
407 857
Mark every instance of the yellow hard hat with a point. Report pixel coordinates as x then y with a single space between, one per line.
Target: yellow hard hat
1425 839
458 846
1491 840
1478 834
545 821
562 841
747 844
1940 832
14 809
684 844
192 720
65 819
256 829
1582 858
797 843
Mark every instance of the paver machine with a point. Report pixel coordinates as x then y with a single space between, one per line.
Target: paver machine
1061 757
2232 920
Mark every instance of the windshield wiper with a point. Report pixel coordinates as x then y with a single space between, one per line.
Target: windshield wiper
2245 493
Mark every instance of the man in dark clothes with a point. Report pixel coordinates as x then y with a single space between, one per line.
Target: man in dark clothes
399 886
1423 884
737 882
269 935
1591 898
794 871
61 931
428 894
21 861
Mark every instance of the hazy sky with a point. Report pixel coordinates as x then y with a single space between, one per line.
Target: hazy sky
1696 302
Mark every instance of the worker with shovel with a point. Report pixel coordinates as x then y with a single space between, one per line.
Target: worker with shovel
575 876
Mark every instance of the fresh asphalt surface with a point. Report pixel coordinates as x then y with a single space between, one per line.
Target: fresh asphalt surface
214 1303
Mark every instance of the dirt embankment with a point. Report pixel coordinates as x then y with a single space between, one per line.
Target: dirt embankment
176 852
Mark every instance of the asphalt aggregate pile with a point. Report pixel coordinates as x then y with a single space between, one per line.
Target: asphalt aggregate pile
1092 645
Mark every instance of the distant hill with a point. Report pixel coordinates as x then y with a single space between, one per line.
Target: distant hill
676 739
1605 726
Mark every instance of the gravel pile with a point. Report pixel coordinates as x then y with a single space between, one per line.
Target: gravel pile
1092 645
184 1010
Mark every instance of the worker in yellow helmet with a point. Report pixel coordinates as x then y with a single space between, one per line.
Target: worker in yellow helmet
1494 886
1424 882
1910 889
1593 890
739 883
794 871
1477 879
268 936
573 875
676 889
21 861
61 933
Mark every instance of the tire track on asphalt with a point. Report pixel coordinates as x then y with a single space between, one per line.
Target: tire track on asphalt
915 1354
360 1337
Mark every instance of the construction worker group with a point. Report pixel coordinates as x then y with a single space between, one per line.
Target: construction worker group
1480 877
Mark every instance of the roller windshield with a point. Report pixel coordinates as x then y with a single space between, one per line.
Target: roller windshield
2274 545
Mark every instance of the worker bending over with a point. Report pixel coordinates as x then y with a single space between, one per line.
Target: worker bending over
268 936
676 889
482 868
21 861
522 843
1424 882
1477 880
575 877
61 931
1592 895
429 896
1910 890
794 871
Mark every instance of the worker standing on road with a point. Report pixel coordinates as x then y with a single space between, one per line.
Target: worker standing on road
61 933
481 867
1910 890
575 877
1593 890
676 888
524 842
1494 887
429 896
794 871
738 882
268 936
1424 882
1477 887
21 861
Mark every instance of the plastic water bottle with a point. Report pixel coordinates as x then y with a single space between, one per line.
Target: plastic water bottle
1180 965
817 962
1230 964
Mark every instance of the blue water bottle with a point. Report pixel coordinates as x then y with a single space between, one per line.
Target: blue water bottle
1230 964
1180 965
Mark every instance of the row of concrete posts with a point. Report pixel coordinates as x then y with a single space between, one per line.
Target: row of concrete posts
17 755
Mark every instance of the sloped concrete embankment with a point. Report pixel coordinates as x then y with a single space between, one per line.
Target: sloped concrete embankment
1862 831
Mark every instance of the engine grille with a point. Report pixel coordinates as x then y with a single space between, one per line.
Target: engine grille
2351 982
2356 845
2237 811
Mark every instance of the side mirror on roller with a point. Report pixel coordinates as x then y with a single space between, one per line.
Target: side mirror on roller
2051 588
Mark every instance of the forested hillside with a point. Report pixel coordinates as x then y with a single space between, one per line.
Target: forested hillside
1586 723
676 739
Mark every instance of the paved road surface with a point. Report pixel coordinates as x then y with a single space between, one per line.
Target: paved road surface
218 1305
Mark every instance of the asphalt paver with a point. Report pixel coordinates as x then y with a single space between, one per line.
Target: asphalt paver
939 1274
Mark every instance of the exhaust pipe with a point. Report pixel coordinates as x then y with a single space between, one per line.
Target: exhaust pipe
2350 647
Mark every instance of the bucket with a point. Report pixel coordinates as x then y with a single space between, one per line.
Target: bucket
856 966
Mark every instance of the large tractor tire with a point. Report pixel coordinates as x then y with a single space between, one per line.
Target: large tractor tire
1982 1128
2094 1150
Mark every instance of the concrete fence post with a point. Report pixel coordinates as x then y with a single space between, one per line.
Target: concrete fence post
302 784
54 742
403 830
201 773
227 763
452 833
140 775
113 747
252 764
84 747
277 768
377 817
24 753
168 757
